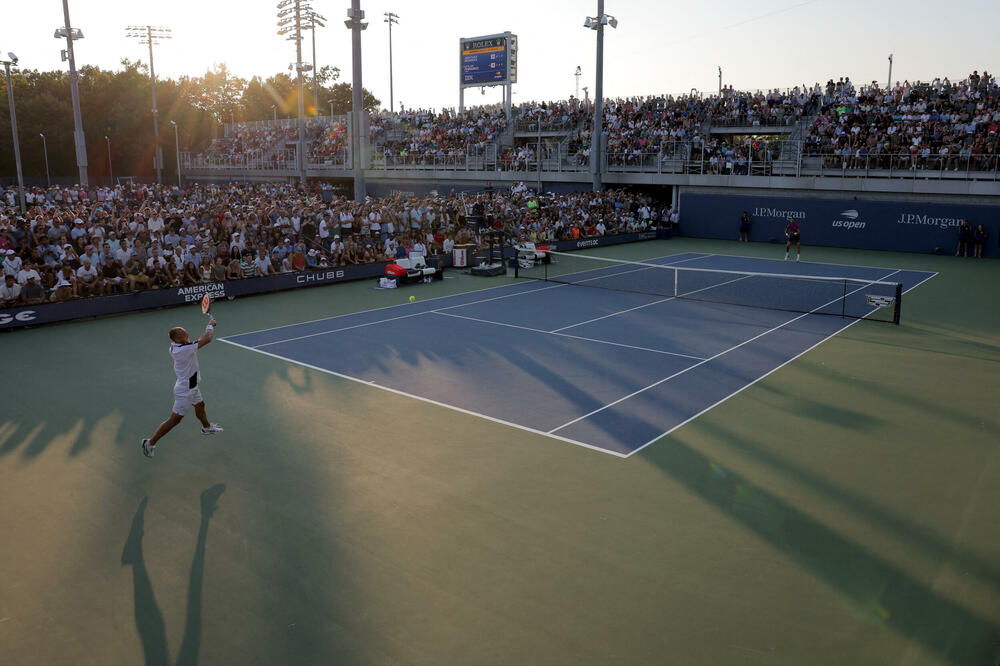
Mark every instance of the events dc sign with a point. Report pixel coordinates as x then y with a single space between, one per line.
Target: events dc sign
871 225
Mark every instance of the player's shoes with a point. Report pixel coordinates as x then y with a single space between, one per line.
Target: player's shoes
797 258
212 429
147 450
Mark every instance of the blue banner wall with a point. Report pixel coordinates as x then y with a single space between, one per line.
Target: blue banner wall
871 225
45 313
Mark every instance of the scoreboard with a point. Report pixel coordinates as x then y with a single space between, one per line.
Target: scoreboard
488 61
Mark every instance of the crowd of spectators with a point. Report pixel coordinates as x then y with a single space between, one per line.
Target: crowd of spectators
941 125
79 242
422 136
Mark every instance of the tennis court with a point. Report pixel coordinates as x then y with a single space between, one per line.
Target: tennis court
608 355
844 509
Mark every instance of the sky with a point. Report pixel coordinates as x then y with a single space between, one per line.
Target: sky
659 46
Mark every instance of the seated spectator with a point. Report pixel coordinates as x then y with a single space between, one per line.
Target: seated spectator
10 292
87 279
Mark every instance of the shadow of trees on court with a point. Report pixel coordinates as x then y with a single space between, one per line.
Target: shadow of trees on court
886 519
73 437
887 594
148 617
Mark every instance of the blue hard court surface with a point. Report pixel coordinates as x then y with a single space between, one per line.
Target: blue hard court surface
609 370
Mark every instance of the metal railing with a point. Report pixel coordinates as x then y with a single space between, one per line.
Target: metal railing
751 121
474 159
771 159
544 125
896 165
282 123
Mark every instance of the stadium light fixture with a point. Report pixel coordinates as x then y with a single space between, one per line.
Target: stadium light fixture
392 19
177 151
355 23
152 35
597 24
311 21
291 19
45 151
71 34
12 62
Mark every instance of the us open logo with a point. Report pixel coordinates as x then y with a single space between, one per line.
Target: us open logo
849 220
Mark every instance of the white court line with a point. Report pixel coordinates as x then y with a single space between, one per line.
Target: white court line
430 401
664 300
566 335
415 314
745 387
437 298
711 358
823 263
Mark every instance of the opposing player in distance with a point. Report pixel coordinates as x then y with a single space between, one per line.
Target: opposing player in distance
187 389
794 235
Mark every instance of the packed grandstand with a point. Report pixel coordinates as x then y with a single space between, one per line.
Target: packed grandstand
941 125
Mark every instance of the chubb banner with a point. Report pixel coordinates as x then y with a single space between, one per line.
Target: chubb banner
872 225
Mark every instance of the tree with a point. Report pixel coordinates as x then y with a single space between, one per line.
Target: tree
218 92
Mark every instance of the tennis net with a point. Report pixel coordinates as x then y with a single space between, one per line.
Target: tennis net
838 296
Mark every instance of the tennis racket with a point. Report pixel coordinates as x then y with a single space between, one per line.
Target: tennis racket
206 305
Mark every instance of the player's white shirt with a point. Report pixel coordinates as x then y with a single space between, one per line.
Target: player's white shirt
185 363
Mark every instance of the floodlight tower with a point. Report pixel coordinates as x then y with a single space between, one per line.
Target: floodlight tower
312 20
291 15
7 64
356 24
597 23
391 19
71 34
152 35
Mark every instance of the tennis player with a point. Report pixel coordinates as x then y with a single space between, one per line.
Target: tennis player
187 391
794 236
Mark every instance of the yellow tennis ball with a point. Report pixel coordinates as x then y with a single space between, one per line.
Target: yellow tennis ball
413 298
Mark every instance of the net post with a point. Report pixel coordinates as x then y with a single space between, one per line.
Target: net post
899 303
843 302
676 275
517 265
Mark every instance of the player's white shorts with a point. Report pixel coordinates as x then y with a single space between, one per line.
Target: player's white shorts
184 398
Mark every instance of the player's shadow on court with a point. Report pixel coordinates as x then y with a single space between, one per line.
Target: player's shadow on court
148 617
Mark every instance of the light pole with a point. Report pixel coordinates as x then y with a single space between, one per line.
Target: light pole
577 74
391 19
330 102
290 15
274 110
888 86
152 35
177 151
12 60
355 24
71 34
45 151
597 133
313 21
111 172
720 80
